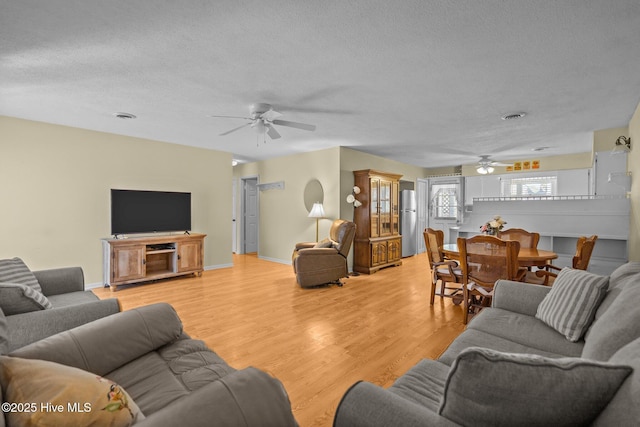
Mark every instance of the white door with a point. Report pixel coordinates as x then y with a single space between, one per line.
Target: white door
250 215
234 228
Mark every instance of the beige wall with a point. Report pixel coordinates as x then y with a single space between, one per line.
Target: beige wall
284 218
633 162
56 183
353 160
604 140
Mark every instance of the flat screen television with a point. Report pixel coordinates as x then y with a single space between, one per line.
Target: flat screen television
137 211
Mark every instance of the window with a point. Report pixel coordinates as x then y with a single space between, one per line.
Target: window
444 201
535 186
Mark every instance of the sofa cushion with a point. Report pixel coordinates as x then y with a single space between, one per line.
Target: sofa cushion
622 272
423 384
525 330
14 270
76 395
490 388
624 408
571 304
623 276
618 326
16 298
72 298
173 371
476 338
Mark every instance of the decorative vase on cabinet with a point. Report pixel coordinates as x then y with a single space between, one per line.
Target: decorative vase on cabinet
378 243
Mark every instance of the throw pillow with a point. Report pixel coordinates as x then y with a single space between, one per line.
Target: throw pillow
324 243
16 298
489 388
49 394
14 270
571 304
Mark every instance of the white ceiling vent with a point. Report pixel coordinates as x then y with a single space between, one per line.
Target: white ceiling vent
513 116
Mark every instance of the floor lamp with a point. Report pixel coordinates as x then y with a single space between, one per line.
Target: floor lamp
317 212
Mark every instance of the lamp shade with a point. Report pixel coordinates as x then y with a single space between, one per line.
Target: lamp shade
350 198
317 211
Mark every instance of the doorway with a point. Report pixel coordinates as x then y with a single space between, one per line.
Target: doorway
249 230
445 204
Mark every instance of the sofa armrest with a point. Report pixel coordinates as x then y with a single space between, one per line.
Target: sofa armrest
518 297
368 405
106 344
26 328
305 245
60 280
248 397
317 251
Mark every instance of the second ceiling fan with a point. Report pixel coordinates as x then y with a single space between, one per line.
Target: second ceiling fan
263 118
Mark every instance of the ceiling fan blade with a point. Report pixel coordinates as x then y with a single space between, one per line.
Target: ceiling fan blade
296 125
235 129
233 117
272 132
501 164
318 110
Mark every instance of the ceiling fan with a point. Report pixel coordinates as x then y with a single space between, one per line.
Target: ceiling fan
486 165
262 118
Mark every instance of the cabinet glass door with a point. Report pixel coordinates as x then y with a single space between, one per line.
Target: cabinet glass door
385 207
374 206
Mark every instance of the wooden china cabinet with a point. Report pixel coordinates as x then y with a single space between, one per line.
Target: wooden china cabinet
378 243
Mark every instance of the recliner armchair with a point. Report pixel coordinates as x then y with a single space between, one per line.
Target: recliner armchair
325 262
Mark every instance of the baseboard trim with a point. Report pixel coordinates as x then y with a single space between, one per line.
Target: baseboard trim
279 261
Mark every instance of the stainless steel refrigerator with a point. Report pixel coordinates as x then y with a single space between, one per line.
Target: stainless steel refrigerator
408 221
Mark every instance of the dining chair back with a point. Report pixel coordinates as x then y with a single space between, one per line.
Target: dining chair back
584 248
485 260
526 238
445 272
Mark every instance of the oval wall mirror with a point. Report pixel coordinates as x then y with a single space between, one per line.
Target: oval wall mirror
313 193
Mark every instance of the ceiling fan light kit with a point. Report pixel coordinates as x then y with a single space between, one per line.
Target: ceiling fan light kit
483 170
486 165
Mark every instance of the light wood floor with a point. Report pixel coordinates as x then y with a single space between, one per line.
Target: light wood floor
316 341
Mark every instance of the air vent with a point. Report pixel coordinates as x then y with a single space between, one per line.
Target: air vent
124 116
513 116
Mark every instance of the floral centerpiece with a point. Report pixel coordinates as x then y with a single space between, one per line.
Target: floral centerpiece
492 227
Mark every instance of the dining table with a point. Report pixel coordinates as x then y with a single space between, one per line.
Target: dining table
527 257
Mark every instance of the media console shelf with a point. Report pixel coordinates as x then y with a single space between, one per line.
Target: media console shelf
141 259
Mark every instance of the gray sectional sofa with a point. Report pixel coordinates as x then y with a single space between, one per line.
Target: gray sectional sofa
60 302
515 364
139 367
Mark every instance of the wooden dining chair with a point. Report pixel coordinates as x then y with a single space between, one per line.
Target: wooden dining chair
584 248
526 238
485 260
445 272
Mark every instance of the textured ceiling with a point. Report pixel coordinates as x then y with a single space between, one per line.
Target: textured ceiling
420 81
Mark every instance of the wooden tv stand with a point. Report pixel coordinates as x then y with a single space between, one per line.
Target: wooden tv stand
141 259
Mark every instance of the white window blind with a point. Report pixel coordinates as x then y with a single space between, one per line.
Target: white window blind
530 186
